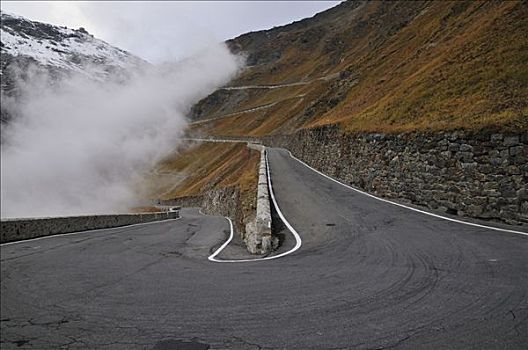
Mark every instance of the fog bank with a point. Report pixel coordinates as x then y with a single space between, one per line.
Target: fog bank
76 146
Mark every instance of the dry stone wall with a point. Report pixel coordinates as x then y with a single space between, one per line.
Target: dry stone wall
224 201
481 174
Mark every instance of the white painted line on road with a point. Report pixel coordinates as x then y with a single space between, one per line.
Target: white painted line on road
298 241
86 231
405 206
212 257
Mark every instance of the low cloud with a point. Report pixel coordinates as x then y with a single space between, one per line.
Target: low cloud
77 146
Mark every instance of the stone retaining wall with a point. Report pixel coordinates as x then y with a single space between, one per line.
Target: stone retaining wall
19 229
224 201
482 175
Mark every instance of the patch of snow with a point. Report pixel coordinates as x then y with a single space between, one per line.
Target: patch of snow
72 50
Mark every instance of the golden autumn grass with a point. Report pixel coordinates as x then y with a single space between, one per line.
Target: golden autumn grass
473 76
145 209
207 166
450 65
210 165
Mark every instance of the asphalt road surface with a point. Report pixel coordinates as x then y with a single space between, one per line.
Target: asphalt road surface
369 275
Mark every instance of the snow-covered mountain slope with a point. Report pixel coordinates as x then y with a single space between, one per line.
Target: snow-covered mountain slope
61 48
30 49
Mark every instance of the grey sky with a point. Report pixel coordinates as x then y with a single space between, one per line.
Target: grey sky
162 30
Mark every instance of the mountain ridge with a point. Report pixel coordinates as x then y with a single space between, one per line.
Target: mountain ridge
60 47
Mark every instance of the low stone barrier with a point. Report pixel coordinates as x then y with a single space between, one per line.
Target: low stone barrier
258 232
20 229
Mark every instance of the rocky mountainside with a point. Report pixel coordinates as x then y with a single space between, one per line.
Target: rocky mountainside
380 66
58 51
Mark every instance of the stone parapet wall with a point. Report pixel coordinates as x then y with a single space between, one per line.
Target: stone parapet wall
482 175
258 238
20 229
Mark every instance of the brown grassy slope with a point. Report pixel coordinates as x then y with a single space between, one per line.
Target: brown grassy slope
210 165
401 66
467 67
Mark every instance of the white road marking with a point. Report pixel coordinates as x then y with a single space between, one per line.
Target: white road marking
212 257
298 241
86 231
405 206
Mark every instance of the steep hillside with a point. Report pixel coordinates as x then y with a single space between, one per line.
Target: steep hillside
193 171
201 167
387 66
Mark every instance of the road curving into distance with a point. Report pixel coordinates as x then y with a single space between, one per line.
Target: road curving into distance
369 275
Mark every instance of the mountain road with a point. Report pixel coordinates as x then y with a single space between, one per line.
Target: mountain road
368 275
